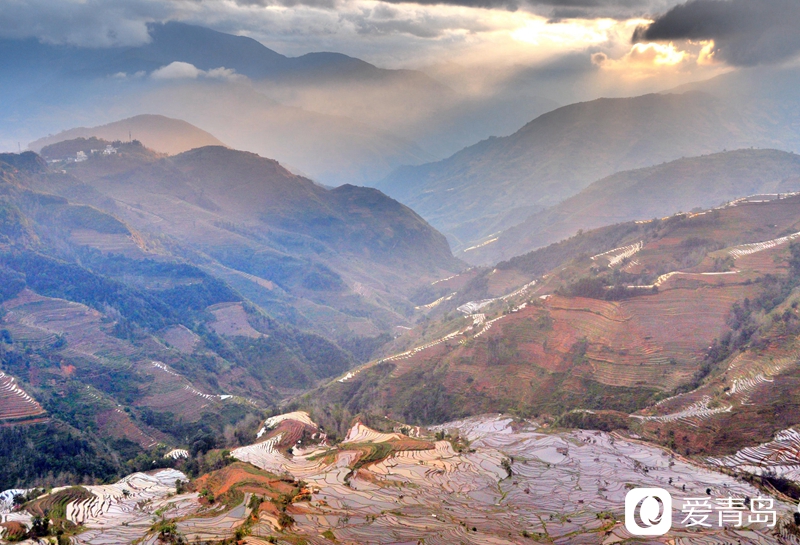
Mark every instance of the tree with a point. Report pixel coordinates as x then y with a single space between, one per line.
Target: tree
40 526
506 464
794 259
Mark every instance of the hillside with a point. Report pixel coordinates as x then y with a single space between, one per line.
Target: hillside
653 192
108 354
471 194
616 320
164 300
157 132
341 261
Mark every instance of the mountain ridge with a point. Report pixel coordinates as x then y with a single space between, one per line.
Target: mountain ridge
642 194
559 153
157 132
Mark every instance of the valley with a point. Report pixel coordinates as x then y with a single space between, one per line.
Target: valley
640 345
400 273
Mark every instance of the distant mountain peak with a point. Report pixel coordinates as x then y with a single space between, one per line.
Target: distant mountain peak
157 132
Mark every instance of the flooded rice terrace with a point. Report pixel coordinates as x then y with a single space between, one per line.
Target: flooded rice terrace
568 487
513 483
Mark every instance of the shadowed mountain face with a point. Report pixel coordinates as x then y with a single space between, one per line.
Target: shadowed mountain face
352 219
127 339
168 298
647 193
340 261
471 194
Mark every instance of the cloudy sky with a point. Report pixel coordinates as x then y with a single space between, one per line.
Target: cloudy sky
591 47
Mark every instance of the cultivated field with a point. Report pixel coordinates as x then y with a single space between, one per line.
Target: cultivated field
181 338
124 244
15 404
516 483
231 319
38 321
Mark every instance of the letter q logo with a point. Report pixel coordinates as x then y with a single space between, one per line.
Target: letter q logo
653 509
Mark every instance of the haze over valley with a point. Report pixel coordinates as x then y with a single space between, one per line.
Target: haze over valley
400 272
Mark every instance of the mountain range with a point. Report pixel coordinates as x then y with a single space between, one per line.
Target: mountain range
679 329
234 285
652 192
167 297
492 185
350 249
333 117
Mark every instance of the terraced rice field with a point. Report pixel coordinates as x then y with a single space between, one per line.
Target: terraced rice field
39 320
111 504
691 415
301 417
231 320
502 282
745 404
362 434
679 279
7 499
116 423
474 306
117 513
181 338
560 483
263 455
171 392
617 255
15 404
655 340
565 488
780 456
748 380
126 245
766 262
748 249
456 281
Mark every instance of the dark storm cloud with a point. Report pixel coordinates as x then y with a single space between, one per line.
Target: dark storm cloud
745 32
99 23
